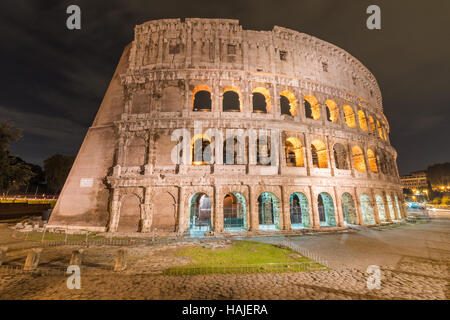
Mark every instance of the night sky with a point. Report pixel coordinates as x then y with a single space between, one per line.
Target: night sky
53 79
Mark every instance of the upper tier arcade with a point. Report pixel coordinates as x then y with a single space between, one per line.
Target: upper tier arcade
222 44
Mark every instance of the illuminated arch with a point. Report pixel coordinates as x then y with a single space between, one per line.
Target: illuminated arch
265 93
340 156
319 154
294 152
367 209
299 210
326 210
234 212
268 211
232 99
312 107
201 98
380 130
371 158
200 214
348 208
292 102
372 124
362 120
201 152
358 159
349 116
333 110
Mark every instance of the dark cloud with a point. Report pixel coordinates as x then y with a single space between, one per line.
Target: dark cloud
53 79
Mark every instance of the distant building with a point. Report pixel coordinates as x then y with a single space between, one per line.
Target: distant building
415 180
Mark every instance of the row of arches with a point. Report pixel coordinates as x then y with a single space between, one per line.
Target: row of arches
235 211
261 103
234 153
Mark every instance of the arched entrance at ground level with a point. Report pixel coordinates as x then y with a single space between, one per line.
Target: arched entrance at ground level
164 212
391 207
130 214
268 211
348 208
200 214
326 210
398 207
367 209
380 206
299 210
234 212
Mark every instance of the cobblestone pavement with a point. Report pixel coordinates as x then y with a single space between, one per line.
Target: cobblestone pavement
413 259
335 284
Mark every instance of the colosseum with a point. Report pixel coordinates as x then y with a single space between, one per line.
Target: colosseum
207 128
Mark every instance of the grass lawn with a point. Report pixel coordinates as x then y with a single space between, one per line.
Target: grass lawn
242 257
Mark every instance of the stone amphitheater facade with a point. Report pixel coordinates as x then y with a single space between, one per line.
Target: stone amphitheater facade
319 110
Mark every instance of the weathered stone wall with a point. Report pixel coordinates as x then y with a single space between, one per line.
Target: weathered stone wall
128 149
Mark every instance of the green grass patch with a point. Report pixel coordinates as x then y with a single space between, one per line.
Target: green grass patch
242 257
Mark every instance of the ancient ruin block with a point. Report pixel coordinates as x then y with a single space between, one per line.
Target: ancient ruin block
120 263
3 251
32 260
77 257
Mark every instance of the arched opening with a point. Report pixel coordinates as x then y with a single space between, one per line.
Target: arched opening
367 209
299 211
268 211
340 157
200 214
284 105
201 150
201 98
383 162
332 110
349 116
326 210
319 154
362 120
391 207
348 208
263 155
261 100
288 103
380 131
231 101
234 212
384 133
294 152
312 107
233 152
372 124
130 214
164 212
358 159
372 161
380 206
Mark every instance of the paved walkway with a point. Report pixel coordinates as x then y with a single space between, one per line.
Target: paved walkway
382 246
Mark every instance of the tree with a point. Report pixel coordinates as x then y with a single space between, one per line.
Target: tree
14 173
57 168
439 174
